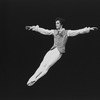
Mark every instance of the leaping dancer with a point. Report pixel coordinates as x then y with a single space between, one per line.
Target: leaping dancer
60 35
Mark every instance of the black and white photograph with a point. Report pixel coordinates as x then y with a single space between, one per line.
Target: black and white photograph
50 50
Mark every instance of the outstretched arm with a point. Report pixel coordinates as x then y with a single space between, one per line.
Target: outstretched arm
40 30
80 31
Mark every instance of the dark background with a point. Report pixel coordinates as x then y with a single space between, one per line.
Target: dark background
75 76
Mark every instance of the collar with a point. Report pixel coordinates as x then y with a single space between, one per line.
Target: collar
60 30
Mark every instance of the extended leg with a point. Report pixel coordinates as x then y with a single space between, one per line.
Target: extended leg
40 71
49 60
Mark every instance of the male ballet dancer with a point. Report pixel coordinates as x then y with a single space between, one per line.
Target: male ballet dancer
58 49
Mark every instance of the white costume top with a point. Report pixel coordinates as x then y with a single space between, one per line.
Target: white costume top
60 39
61 36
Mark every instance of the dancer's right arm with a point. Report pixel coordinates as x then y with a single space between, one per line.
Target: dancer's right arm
40 30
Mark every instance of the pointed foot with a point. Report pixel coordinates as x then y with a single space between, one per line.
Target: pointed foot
31 83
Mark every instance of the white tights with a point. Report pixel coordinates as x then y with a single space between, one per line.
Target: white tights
51 57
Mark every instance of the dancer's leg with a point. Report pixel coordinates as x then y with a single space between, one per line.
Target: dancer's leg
40 70
49 60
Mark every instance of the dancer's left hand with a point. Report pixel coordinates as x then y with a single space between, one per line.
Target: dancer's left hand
92 28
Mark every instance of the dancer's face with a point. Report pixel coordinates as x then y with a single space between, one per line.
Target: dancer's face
58 24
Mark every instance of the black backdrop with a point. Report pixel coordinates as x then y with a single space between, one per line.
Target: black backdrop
75 76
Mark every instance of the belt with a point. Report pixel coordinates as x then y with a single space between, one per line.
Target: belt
52 48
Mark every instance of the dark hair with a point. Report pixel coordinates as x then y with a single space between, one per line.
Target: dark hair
61 20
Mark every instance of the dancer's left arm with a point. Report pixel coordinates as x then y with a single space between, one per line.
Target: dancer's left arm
80 31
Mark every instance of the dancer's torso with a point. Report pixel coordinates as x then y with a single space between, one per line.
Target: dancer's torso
60 39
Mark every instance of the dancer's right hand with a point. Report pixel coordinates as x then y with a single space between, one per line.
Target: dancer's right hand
29 27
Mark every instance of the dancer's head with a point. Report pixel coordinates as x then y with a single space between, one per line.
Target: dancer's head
59 22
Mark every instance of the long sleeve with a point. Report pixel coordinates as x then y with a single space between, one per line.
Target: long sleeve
76 32
43 31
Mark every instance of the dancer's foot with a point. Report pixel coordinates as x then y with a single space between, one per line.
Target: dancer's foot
31 83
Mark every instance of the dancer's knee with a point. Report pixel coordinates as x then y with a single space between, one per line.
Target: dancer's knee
46 70
47 67
43 64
